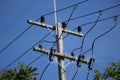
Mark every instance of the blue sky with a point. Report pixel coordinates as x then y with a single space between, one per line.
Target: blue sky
13 18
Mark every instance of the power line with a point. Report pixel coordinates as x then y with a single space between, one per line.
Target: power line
53 42
66 7
87 34
19 16
35 59
93 22
66 20
87 24
75 6
89 31
94 12
37 20
16 38
88 73
34 45
75 73
44 71
92 48
99 20
71 14
101 36
25 52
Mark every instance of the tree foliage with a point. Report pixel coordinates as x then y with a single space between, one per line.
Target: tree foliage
22 72
112 72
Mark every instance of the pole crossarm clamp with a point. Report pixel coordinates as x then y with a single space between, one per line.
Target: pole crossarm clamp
53 28
74 58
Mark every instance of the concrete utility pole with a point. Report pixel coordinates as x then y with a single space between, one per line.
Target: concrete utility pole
60 53
62 74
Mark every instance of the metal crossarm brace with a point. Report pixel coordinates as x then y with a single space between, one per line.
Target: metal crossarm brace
74 58
53 28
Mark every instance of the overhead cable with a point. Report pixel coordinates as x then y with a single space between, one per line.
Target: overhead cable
92 48
19 16
44 71
66 7
115 20
16 38
87 77
75 73
89 31
25 52
35 59
61 33
94 12
87 34
92 23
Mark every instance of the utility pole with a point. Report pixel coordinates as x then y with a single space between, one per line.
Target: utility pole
62 74
60 53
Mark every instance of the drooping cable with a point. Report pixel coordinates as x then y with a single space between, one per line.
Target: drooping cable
87 74
89 32
92 48
16 38
19 16
81 48
44 71
25 52
93 43
75 73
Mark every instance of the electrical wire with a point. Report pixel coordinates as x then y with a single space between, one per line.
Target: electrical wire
29 48
94 12
75 6
92 48
71 14
101 36
35 59
44 71
89 31
88 73
19 16
92 23
16 38
75 73
66 20
25 52
66 7
81 48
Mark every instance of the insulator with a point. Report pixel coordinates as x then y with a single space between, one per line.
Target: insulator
51 55
82 56
40 46
78 61
90 63
64 25
72 54
42 19
79 29
115 17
